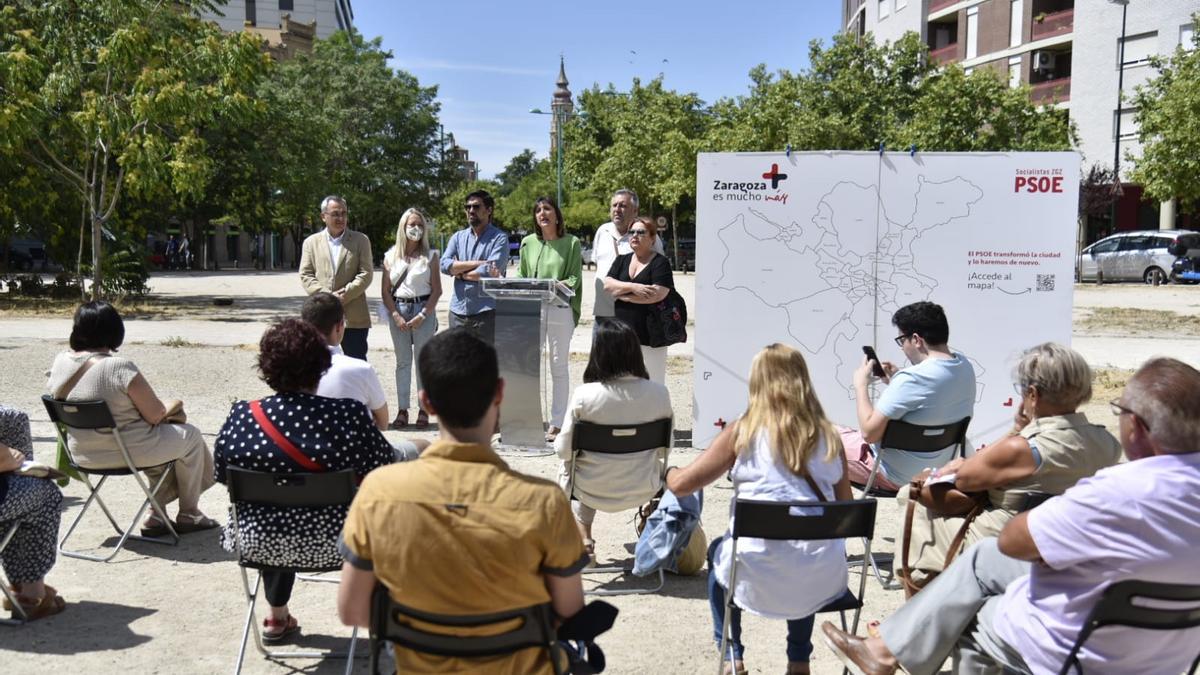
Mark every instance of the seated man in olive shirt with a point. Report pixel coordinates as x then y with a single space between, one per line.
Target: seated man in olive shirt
457 531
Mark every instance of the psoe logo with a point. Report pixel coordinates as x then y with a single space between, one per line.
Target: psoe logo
752 190
1038 181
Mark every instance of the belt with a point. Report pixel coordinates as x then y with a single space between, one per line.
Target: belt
408 301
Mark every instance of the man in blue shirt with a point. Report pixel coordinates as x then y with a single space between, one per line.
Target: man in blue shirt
939 388
477 251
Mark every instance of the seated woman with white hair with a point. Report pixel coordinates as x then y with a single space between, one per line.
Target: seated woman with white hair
1051 447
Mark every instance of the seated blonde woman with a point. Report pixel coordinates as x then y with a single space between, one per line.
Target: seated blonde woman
616 390
1050 448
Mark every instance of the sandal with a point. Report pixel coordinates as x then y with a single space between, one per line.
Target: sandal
154 528
589 547
401 420
873 628
185 523
48 605
552 433
275 631
422 420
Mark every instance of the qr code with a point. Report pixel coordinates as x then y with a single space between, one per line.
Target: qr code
1045 282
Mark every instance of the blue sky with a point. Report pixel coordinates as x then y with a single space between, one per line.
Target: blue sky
493 61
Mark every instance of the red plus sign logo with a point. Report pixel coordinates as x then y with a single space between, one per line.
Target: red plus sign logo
774 176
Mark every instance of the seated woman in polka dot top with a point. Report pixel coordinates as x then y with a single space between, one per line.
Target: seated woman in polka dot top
333 434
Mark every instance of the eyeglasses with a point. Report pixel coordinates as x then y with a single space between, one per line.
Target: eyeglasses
638 233
899 339
473 207
336 214
1118 410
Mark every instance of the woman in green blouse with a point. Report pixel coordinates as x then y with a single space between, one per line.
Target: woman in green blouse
551 253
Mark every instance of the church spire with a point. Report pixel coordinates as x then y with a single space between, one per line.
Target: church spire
561 104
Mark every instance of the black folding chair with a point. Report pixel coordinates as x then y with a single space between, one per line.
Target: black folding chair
1117 608
395 622
801 521
95 416
620 439
286 490
930 440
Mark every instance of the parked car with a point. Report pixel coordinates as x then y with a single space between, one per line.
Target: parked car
588 261
686 260
1138 255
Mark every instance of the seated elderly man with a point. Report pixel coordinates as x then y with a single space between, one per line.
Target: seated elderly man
457 531
1137 520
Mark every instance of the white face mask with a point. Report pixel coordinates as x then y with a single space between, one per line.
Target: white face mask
413 232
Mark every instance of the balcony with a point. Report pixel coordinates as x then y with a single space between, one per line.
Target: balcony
1052 24
944 55
935 5
1051 91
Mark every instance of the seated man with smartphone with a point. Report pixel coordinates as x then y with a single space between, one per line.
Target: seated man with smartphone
938 388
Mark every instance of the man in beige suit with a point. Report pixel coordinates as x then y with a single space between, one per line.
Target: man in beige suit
338 260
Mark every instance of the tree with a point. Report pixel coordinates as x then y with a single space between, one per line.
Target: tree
979 112
645 140
348 124
520 166
109 95
1168 122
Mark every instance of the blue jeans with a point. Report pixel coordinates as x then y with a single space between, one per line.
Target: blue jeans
408 344
799 631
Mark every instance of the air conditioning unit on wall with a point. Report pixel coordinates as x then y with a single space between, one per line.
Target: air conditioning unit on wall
1043 61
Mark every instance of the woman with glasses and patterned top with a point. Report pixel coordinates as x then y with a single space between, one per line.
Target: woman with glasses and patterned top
1051 447
551 253
411 287
638 280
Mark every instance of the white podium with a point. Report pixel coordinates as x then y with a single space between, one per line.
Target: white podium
519 318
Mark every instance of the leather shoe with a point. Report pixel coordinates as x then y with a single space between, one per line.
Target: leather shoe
853 652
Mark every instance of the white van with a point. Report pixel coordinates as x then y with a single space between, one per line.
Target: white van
1134 256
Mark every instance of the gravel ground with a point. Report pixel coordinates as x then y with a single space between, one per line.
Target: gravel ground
180 609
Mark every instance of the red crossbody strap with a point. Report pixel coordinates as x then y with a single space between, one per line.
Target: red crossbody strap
279 439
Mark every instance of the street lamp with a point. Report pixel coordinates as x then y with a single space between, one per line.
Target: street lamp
1120 86
559 119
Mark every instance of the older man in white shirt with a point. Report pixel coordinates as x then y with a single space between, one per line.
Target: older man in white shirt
612 240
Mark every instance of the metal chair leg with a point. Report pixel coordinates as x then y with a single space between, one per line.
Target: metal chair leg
18 611
127 533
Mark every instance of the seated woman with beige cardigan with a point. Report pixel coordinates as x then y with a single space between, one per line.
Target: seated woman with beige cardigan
90 370
1051 447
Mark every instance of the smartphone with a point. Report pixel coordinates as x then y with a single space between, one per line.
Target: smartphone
876 366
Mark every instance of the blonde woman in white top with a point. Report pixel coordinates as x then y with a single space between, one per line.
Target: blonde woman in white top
781 443
411 287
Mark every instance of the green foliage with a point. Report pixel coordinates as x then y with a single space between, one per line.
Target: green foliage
449 212
582 216
854 95
125 272
1168 120
521 165
980 112
105 95
343 122
515 209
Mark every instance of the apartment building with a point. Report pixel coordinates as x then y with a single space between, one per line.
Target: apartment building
329 16
1069 52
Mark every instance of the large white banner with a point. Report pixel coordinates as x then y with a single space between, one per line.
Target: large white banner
817 250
